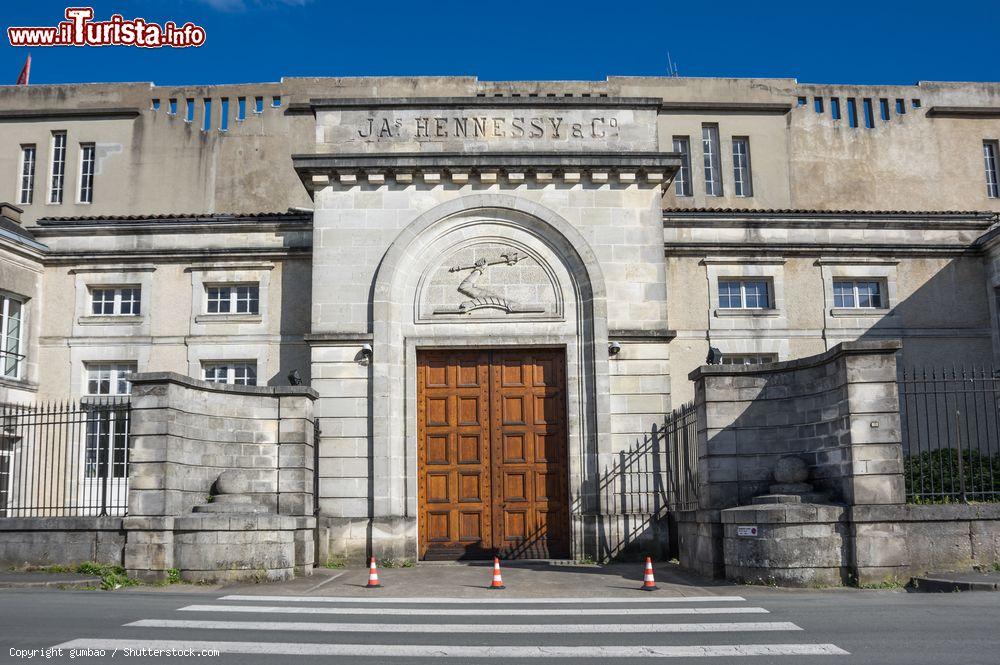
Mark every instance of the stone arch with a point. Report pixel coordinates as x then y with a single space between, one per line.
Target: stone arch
393 396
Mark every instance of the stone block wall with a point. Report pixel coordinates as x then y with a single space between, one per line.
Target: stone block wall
838 411
42 541
186 432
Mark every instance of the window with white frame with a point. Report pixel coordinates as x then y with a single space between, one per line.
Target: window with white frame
742 181
232 299
749 358
744 294
858 294
11 337
712 161
234 373
990 162
26 184
682 181
57 171
87 165
116 301
108 378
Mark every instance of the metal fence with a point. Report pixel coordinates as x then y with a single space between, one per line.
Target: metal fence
64 459
681 434
950 422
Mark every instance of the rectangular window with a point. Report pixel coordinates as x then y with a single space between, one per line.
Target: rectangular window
258 104
712 164
835 108
109 378
11 336
224 115
852 112
990 162
857 294
206 121
241 108
916 103
26 186
744 294
869 113
900 107
883 105
802 101
58 170
682 182
173 107
233 299
238 373
742 181
818 104
87 167
276 101
189 110
749 358
116 301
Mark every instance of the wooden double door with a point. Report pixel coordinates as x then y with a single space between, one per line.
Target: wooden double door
492 470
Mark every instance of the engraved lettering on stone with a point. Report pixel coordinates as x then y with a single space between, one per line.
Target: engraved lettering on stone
480 298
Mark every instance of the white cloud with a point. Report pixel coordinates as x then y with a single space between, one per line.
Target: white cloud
248 5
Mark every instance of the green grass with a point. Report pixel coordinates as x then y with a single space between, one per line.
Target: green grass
334 563
389 562
112 577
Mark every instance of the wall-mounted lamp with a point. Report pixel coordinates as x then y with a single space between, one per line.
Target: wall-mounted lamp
614 348
714 356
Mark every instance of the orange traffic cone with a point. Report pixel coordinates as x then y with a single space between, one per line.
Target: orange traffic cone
648 583
497 580
373 576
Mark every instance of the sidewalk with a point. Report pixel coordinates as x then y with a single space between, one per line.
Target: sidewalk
469 580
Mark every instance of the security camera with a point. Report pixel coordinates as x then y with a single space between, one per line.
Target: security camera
366 351
714 356
614 348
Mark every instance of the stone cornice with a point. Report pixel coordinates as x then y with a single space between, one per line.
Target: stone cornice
318 171
68 114
725 108
591 102
980 112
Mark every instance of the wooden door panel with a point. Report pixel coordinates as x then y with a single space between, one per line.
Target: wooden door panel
531 516
492 454
453 453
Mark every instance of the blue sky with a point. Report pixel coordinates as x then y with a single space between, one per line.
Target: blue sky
262 40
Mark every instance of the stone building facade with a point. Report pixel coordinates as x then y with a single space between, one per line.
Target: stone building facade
497 290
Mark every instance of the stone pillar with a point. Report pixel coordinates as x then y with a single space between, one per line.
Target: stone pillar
837 411
185 433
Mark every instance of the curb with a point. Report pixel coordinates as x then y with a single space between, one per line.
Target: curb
51 584
943 585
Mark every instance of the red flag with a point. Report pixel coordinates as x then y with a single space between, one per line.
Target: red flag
22 78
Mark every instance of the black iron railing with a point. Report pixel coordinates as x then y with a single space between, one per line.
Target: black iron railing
950 421
64 459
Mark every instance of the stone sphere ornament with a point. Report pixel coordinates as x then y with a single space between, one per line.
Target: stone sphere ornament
788 470
232 481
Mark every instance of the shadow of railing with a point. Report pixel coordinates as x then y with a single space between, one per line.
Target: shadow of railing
645 484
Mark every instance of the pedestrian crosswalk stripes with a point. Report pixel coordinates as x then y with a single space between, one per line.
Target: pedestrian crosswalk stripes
487 601
475 628
463 651
398 630
494 611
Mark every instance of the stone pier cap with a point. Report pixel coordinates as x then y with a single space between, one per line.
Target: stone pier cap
143 378
859 347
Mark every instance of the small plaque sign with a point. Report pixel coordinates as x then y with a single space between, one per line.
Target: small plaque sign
746 531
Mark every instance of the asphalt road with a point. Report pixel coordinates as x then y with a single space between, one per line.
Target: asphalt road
758 626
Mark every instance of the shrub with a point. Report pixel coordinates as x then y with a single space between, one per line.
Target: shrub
933 476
